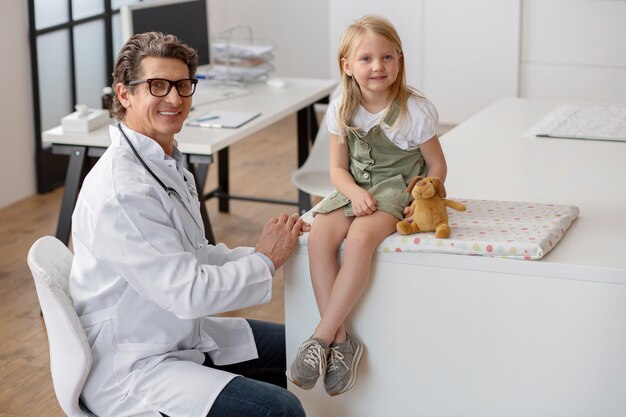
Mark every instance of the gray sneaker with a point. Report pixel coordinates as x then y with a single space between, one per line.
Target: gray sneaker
309 364
343 363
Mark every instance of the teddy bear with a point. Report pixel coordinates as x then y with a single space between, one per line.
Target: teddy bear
428 210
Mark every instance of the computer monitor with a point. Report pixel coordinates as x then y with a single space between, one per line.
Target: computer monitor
187 19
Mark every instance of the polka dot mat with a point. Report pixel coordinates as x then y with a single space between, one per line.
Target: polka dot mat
493 228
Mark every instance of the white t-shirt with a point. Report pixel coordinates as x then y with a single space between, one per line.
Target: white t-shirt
408 133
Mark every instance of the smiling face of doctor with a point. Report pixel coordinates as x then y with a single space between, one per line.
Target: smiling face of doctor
137 103
157 117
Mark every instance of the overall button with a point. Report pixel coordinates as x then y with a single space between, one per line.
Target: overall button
366 175
366 145
376 129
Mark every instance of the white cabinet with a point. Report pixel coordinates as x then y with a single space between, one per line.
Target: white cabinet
476 336
574 49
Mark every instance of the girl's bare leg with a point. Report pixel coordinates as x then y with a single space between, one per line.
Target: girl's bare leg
364 236
327 233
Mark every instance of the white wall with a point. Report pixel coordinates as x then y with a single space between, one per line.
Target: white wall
299 30
471 53
572 49
17 165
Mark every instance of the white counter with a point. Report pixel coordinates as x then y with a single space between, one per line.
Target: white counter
457 335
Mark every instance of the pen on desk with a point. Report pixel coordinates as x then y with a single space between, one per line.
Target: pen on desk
206 118
211 125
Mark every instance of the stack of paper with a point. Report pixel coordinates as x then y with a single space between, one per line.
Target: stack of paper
243 49
220 119
245 59
583 121
240 73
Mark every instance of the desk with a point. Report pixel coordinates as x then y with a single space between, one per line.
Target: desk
200 144
458 335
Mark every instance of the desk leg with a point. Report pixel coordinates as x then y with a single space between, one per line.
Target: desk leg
307 129
200 172
73 177
223 181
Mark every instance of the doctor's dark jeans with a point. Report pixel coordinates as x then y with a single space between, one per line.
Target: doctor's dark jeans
262 392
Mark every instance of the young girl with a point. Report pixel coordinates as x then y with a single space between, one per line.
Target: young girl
383 133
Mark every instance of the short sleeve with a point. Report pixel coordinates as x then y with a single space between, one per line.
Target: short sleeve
332 116
431 118
422 124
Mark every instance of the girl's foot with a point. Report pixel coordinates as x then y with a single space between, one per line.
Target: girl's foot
309 364
343 363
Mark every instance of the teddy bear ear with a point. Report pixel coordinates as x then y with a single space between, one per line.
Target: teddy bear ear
413 182
441 189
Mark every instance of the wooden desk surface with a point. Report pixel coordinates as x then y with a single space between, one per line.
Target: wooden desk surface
489 158
273 103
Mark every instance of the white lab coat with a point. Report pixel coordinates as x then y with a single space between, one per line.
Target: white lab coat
144 281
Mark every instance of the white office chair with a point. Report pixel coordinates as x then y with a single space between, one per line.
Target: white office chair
70 356
313 177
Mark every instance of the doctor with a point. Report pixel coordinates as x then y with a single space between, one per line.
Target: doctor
144 280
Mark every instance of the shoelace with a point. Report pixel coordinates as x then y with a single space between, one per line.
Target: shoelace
335 358
314 356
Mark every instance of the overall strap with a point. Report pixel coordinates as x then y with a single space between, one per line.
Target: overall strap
392 114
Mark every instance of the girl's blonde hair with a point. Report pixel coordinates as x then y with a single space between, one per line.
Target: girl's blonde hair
351 91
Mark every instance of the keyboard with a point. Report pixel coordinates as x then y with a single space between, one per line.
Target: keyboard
214 92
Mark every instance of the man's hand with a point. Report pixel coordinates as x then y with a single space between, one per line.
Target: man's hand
280 236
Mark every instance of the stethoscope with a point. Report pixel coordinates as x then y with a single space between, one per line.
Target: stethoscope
169 190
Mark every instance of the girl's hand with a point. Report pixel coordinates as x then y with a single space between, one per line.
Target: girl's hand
306 227
408 215
363 203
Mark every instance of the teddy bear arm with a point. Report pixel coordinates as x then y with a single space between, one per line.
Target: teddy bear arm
454 205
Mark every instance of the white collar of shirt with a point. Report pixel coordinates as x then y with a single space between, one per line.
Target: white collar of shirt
366 120
149 149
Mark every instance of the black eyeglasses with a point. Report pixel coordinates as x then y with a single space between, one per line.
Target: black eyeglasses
160 87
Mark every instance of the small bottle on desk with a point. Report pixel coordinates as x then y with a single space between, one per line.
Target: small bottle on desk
107 99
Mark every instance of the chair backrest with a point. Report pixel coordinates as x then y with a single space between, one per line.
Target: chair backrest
70 356
313 177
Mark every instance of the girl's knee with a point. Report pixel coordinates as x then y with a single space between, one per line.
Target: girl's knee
361 240
321 242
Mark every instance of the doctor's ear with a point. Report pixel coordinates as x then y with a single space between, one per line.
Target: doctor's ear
123 94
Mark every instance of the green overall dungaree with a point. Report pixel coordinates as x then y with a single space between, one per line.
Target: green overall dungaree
380 167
